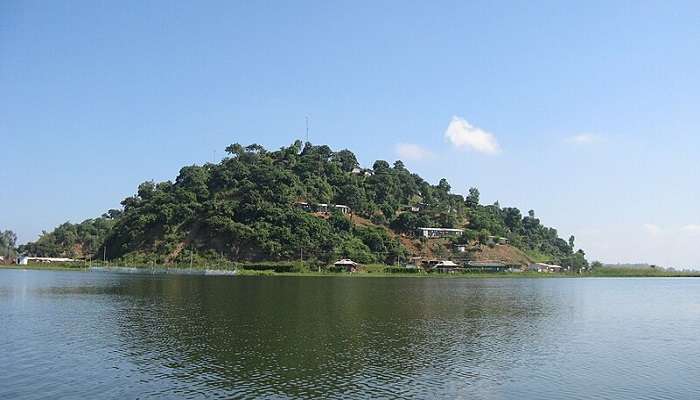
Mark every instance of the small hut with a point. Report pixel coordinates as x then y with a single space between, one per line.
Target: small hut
346 264
487 266
444 266
542 267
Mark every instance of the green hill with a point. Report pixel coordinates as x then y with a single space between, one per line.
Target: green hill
266 205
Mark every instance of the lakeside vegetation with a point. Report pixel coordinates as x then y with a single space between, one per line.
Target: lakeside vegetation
372 270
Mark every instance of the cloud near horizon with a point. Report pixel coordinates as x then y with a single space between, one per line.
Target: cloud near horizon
410 151
652 229
693 228
656 230
584 138
462 135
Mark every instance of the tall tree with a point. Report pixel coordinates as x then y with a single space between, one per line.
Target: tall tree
8 242
473 197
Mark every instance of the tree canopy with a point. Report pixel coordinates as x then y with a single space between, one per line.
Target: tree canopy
247 208
8 242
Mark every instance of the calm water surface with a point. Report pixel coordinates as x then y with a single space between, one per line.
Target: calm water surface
127 336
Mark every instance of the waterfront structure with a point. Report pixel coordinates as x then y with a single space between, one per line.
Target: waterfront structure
542 267
24 260
442 266
487 266
347 264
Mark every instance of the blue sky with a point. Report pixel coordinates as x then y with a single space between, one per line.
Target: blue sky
586 113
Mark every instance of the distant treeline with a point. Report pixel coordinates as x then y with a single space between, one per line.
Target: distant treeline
629 266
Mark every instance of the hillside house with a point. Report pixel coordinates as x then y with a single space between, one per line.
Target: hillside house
497 240
362 171
303 205
342 208
461 248
432 233
323 207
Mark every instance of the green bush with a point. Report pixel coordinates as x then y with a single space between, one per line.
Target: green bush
401 270
276 267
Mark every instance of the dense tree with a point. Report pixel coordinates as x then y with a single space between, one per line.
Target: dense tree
246 208
473 197
8 243
346 159
576 262
72 240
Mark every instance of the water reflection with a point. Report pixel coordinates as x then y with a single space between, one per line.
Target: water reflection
303 337
130 335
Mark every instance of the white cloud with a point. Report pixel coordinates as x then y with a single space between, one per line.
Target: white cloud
409 151
652 229
693 228
584 138
464 135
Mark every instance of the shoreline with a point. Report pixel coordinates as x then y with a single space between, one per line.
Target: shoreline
628 273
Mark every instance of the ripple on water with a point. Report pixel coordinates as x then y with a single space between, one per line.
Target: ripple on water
107 335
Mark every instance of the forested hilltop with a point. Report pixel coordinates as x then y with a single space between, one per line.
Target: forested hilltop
261 205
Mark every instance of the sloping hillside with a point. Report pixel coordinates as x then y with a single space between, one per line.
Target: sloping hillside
505 253
291 203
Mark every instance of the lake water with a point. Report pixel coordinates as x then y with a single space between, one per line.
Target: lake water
127 336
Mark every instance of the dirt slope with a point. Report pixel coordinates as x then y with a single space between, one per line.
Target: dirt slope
505 253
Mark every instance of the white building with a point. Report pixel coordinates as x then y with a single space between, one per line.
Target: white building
342 208
324 207
24 260
439 232
443 266
347 264
497 240
542 267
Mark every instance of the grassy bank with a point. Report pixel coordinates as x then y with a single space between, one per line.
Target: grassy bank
641 273
374 270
